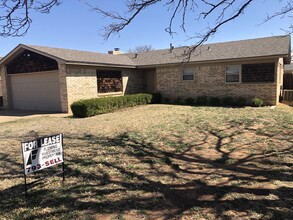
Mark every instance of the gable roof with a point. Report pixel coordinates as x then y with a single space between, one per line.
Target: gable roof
277 46
75 56
84 56
262 47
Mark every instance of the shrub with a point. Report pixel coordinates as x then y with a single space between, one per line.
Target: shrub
215 101
240 101
202 100
189 101
166 100
228 101
257 102
178 101
156 98
91 107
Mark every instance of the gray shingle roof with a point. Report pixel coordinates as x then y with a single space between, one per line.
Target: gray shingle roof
261 47
84 56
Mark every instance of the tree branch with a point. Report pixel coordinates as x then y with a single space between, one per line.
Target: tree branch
204 37
224 11
15 15
283 12
135 7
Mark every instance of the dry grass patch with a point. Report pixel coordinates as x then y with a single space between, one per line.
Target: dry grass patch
157 162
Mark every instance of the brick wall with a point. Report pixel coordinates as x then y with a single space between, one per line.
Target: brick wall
210 81
4 87
81 83
279 78
1 98
0 87
133 81
63 87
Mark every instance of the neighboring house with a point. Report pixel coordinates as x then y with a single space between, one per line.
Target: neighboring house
44 78
288 77
288 68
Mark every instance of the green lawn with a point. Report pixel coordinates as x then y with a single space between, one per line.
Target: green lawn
157 162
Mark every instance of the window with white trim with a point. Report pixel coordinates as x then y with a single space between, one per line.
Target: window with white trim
188 74
232 73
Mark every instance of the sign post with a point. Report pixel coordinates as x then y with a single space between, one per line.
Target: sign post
42 153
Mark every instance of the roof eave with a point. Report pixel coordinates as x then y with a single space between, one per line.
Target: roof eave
214 61
80 63
20 48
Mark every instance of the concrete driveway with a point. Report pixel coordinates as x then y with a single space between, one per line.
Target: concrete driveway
13 115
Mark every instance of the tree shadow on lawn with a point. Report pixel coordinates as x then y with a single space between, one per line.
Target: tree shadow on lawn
132 177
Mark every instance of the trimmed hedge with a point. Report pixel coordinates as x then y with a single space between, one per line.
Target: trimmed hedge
240 102
228 101
215 101
202 100
96 106
189 101
156 98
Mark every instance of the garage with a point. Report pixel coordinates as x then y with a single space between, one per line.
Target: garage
33 82
36 91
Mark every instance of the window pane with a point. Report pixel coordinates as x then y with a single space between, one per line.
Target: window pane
188 74
232 73
109 81
233 69
261 72
188 77
232 78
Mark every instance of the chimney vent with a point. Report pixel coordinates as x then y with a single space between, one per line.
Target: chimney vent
136 55
171 47
116 51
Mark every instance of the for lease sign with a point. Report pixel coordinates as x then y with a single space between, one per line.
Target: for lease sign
42 153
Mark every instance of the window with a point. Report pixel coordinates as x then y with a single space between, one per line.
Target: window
232 74
109 81
29 62
188 74
260 72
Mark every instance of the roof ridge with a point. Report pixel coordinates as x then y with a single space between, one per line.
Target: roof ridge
60 48
62 53
163 49
240 49
216 43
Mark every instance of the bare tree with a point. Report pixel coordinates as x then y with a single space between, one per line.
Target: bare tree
15 17
217 12
284 12
142 48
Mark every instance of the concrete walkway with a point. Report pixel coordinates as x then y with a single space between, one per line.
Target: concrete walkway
13 115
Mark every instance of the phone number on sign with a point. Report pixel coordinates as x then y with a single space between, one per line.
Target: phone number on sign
41 166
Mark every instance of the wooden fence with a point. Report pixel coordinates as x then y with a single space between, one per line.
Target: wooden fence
288 95
288 81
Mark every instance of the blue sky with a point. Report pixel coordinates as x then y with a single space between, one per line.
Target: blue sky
72 25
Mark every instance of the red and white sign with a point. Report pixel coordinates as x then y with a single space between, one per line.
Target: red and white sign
42 153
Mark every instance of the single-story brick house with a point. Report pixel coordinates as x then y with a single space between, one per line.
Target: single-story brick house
44 78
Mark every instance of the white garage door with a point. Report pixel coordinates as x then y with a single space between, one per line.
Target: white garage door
38 91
